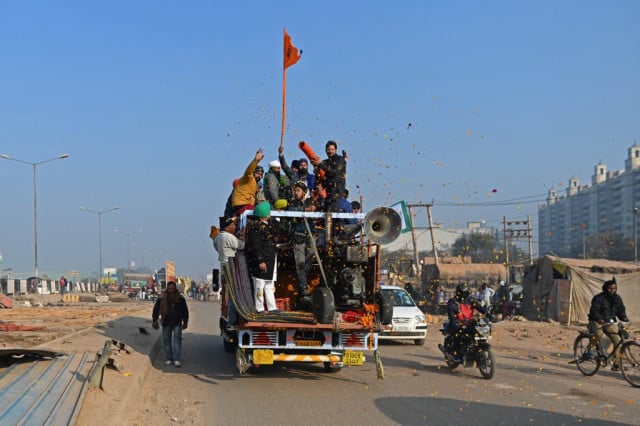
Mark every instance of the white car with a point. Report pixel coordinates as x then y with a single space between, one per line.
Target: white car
408 322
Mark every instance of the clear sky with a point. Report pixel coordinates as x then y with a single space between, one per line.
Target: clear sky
161 104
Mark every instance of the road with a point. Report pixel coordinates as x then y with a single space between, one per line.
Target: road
530 387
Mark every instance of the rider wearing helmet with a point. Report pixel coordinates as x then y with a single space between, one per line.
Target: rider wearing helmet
460 311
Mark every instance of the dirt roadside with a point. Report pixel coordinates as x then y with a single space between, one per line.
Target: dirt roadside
86 326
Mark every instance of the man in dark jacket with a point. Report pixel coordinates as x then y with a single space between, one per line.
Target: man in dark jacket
605 308
261 258
332 172
172 310
300 238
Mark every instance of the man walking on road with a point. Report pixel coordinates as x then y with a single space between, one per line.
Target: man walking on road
174 314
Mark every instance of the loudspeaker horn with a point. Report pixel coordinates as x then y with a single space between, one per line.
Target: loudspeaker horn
382 225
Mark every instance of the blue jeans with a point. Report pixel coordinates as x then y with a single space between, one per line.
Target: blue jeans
172 341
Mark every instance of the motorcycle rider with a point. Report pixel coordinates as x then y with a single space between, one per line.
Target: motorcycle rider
460 311
605 307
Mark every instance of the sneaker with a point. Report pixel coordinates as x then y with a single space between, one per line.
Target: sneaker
168 362
589 354
177 363
616 367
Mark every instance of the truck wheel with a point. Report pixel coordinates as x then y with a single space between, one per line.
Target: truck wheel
329 369
386 308
228 347
322 305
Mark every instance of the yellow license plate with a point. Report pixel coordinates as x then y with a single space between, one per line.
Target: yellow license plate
352 358
262 356
307 342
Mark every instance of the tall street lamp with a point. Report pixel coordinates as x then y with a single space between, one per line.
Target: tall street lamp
35 201
99 213
635 234
584 243
128 234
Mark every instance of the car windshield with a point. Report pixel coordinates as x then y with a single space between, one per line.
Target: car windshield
400 298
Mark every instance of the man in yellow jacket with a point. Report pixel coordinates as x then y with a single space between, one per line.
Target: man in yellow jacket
244 194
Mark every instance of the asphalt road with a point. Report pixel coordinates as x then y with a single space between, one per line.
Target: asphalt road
418 389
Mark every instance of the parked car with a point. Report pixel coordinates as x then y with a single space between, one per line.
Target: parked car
408 321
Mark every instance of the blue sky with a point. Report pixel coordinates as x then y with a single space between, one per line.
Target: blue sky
160 105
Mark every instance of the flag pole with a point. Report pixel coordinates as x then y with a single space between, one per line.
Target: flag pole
284 104
291 55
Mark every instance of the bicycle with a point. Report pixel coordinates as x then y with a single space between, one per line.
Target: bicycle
589 362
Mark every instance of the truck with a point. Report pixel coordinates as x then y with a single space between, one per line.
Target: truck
347 309
134 282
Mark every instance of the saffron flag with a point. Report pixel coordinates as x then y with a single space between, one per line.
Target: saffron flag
291 53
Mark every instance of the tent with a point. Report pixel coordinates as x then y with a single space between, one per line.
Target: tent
561 289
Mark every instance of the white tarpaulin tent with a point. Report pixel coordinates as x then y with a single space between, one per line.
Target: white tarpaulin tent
561 289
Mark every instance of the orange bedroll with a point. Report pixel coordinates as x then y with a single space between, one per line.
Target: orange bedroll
311 155
308 151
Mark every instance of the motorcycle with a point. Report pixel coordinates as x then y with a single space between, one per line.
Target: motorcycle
475 348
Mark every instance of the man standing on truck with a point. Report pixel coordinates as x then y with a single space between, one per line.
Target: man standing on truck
244 194
227 245
300 238
261 257
332 172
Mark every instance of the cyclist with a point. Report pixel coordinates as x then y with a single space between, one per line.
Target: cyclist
605 308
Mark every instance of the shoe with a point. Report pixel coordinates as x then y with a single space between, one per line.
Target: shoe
168 362
275 311
177 363
589 354
616 367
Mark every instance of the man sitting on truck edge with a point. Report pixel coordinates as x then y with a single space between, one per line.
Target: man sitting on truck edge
227 245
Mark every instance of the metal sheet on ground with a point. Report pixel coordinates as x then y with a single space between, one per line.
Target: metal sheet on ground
44 391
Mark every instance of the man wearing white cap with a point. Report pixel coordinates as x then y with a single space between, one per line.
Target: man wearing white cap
275 183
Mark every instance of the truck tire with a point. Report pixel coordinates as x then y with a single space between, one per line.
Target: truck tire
323 305
329 369
228 347
386 308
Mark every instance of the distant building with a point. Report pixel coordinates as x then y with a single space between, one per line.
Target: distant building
607 205
445 237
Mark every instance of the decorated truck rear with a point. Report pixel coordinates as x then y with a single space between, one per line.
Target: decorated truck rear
339 323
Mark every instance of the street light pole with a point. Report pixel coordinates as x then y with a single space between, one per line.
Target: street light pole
635 234
35 201
128 234
584 243
99 213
